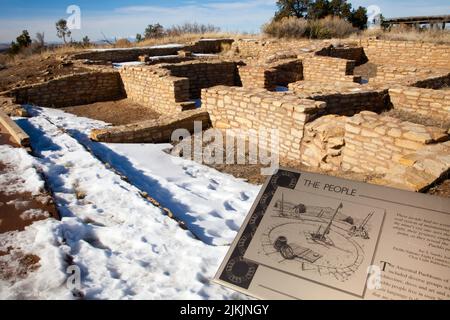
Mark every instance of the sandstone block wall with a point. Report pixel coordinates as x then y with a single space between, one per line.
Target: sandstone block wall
148 86
261 49
280 73
204 74
407 53
366 142
343 98
356 54
166 87
72 90
152 131
323 69
426 102
350 103
132 54
375 143
241 108
433 82
211 45
411 75
323 142
127 54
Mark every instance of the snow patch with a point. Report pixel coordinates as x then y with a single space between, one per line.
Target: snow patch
20 175
34 214
124 246
125 64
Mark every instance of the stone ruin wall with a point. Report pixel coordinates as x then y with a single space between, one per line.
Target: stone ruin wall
204 74
411 76
375 144
158 87
408 53
255 109
366 142
263 49
434 82
324 69
147 86
72 90
271 76
152 131
132 54
356 54
307 68
350 103
425 102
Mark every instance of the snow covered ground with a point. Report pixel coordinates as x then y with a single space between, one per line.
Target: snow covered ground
18 160
125 246
119 65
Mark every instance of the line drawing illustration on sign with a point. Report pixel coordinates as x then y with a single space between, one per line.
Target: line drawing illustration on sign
323 239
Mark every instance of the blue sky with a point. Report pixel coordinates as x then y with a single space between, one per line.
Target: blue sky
118 18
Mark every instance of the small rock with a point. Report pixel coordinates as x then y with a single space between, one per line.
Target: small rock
81 195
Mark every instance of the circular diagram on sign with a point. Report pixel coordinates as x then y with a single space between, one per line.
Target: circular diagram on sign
313 246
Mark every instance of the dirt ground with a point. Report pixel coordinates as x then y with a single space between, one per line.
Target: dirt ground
13 206
35 69
252 173
442 190
117 113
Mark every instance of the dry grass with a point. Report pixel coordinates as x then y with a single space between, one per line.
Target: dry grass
409 34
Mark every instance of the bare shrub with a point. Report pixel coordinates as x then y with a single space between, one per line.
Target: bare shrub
191 28
292 27
337 27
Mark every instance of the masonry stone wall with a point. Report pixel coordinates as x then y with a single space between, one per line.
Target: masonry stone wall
433 82
350 103
132 54
356 54
152 131
262 49
127 54
410 75
429 103
317 68
149 86
323 142
375 144
204 74
343 98
242 108
280 73
167 87
365 143
211 45
413 53
73 90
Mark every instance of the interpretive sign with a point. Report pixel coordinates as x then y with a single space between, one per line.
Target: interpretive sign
311 236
